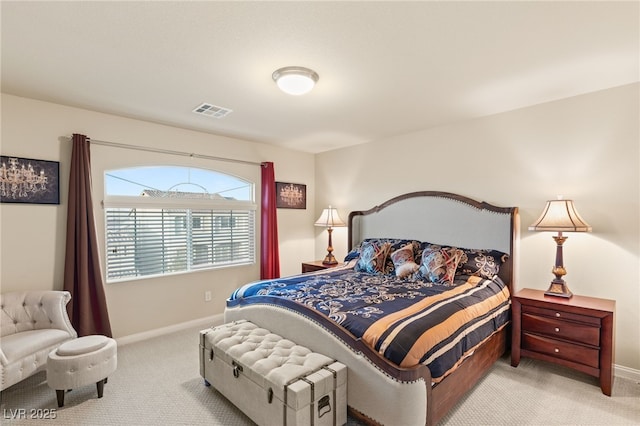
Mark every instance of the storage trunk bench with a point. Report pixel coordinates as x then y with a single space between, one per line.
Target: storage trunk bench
271 379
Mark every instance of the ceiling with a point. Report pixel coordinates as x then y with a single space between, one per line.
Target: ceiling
386 68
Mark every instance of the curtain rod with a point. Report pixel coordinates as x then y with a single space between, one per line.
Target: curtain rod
171 152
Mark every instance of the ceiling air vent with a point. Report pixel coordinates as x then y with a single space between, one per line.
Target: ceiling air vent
212 110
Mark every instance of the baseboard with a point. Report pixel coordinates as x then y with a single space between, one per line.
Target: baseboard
138 337
626 373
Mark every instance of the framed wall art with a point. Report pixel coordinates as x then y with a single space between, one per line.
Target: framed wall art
291 195
26 180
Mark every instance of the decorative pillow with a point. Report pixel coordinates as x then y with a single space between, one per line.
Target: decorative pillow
353 254
481 263
397 244
372 257
403 261
439 264
355 251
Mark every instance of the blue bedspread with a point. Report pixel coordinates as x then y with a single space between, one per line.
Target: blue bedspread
409 321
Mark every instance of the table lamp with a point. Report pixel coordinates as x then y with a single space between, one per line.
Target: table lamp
559 216
329 219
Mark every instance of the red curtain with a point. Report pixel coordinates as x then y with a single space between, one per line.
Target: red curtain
82 276
269 254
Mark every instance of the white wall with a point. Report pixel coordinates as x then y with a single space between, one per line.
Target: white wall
33 236
585 148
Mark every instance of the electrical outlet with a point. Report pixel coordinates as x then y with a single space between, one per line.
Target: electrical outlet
207 296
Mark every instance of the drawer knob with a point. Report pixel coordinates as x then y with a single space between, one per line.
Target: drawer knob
558 314
557 330
556 350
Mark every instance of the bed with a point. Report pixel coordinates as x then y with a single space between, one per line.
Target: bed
360 313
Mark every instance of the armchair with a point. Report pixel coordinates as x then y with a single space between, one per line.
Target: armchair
32 324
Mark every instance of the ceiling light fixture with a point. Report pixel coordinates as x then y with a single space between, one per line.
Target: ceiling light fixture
295 80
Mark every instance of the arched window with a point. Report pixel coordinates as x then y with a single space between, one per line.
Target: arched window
168 219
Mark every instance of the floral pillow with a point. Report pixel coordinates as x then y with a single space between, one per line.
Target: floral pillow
403 261
372 257
395 244
439 264
355 251
481 263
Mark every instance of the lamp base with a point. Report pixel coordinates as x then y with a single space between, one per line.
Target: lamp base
329 259
558 288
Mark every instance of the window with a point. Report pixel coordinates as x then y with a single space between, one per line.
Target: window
188 226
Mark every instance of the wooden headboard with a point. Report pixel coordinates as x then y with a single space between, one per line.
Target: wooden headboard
441 218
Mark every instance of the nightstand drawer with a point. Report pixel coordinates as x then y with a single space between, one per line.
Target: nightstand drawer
559 349
561 329
559 314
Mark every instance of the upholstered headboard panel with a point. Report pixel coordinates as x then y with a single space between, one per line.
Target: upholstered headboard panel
439 218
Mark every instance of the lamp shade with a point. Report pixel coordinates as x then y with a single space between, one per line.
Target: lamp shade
295 80
560 216
329 219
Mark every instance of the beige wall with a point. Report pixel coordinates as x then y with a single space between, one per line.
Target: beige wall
33 236
585 148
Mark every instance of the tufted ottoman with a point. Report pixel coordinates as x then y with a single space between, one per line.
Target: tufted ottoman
79 362
271 379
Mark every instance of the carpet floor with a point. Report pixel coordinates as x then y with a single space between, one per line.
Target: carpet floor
158 383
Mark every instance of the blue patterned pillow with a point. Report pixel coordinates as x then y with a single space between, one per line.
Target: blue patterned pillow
353 254
395 243
481 263
372 257
439 264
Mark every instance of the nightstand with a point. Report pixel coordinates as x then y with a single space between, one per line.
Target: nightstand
577 333
316 265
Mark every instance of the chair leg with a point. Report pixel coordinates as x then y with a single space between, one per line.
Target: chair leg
100 387
60 395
